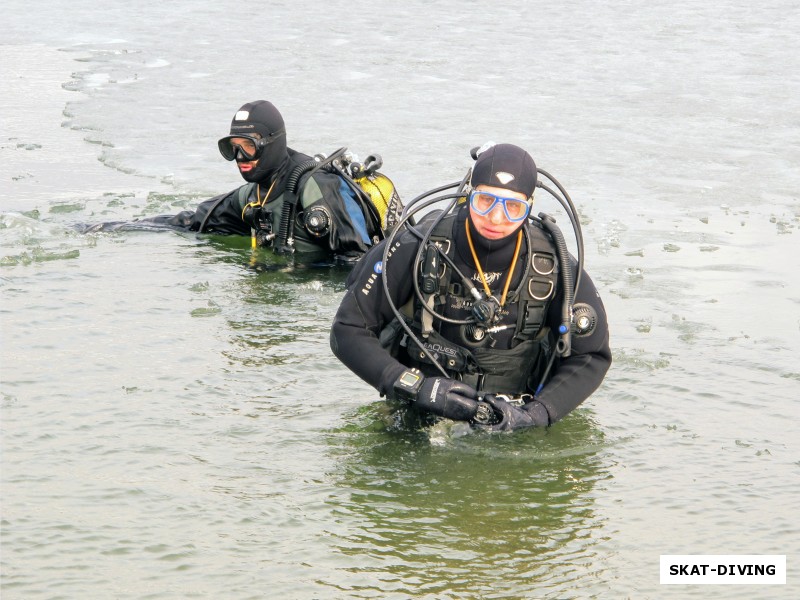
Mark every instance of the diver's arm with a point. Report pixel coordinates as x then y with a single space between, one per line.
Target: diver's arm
225 215
577 376
223 219
364 312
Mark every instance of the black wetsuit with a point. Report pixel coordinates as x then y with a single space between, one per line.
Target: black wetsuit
365 313
352 231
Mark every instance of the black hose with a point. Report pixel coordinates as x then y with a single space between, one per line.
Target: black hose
425 237
282 245
285 241
563 346
572 213
418 259
208 214
407 208
385 280
297 172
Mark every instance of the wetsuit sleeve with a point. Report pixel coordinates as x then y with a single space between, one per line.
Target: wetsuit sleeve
225 215
577 376
365 311
225 218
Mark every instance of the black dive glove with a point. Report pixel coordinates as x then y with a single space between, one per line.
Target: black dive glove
510 417
438 395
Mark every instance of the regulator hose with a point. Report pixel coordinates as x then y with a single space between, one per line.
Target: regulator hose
422 250
402 224
572 213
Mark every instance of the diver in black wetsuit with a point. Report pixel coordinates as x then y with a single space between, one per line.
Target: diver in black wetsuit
502 327
291 202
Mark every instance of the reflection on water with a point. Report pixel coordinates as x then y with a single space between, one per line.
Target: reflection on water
450 513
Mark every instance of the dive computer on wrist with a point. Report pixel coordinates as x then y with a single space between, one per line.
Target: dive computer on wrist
407 385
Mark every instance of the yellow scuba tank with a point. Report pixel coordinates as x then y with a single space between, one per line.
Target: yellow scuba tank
380 190
384 198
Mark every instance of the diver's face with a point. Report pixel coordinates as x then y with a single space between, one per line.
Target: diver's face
248 146
494 225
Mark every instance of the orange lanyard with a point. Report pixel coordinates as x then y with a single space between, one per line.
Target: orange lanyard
511 267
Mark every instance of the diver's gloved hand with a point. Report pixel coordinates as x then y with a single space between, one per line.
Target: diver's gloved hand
448 398
438 395
510 417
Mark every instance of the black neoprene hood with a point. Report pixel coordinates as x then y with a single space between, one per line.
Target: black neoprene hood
262 118
505 166
259 117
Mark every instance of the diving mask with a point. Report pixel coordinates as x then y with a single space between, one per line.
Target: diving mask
246 147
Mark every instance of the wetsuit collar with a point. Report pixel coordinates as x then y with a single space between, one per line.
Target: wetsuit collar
494 255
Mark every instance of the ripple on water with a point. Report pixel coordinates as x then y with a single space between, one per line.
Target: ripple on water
494 512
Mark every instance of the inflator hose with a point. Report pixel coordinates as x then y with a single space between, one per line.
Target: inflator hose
563 346
203 224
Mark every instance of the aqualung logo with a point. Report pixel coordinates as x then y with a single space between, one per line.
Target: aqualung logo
377 269
370 282
461 303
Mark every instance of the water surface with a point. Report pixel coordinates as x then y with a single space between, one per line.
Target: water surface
174 424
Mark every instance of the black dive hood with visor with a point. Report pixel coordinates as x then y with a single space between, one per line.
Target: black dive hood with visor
262 118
